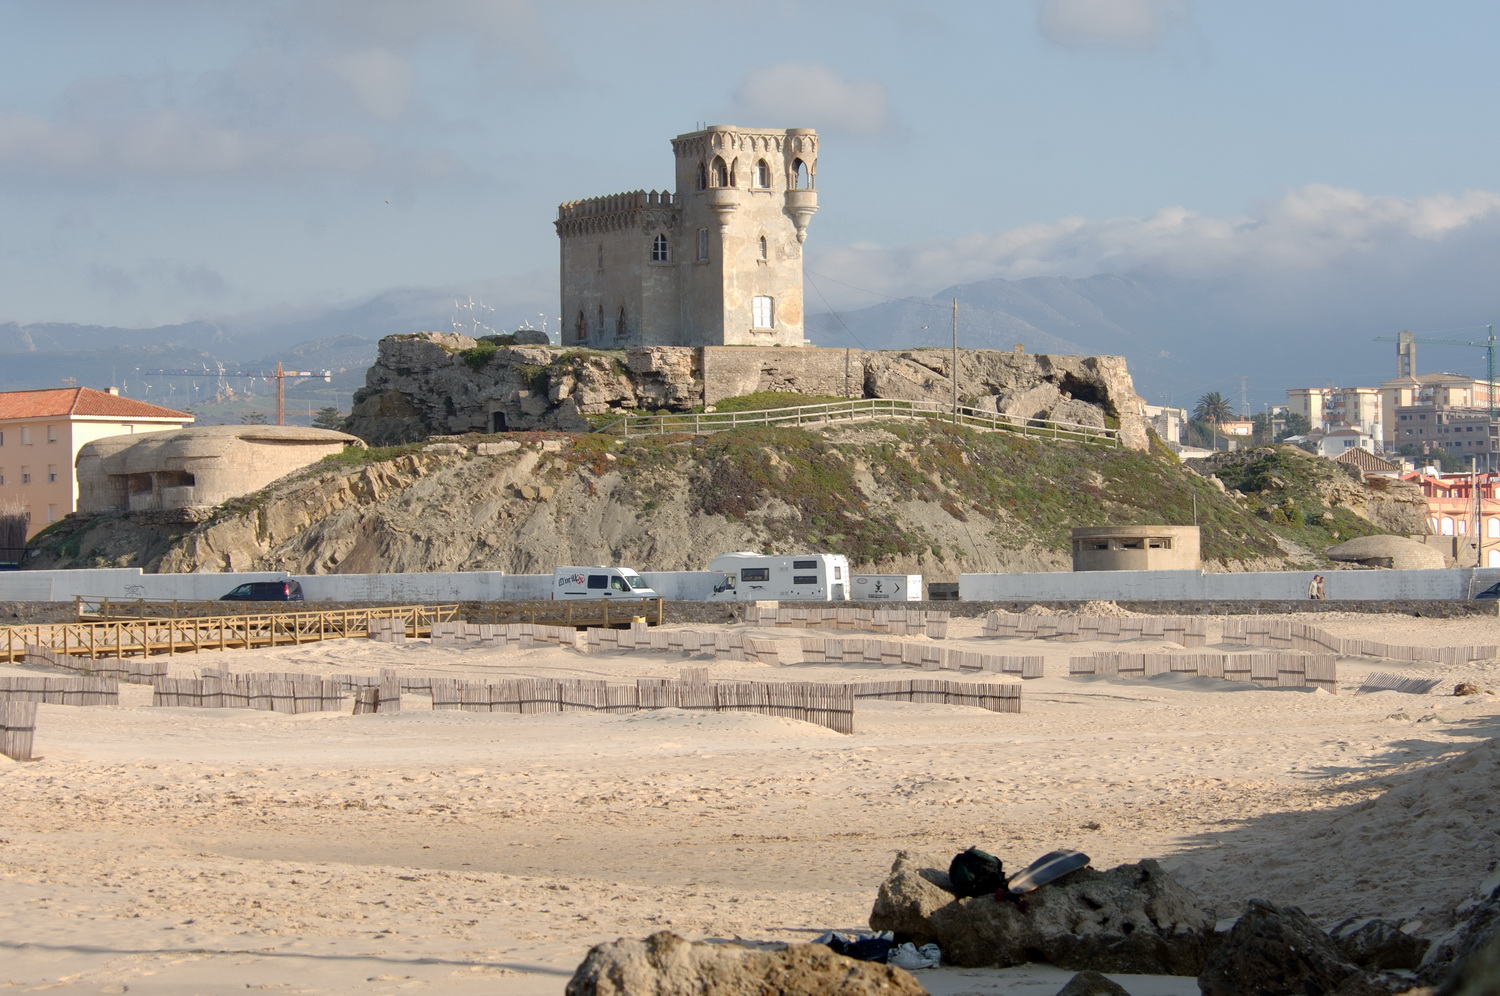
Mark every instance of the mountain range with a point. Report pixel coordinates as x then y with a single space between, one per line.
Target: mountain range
1180 337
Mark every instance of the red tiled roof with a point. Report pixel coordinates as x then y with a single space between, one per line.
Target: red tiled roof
1366 461
79 401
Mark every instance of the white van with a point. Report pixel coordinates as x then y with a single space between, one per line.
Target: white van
599 582
803 577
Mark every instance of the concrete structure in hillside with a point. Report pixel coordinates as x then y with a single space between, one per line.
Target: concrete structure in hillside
1135 548
42 432
717 262
195 468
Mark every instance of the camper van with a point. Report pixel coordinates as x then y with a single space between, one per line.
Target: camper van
598 582
755 577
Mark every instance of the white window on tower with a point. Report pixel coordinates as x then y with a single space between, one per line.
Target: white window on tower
763 313
659 249
762 174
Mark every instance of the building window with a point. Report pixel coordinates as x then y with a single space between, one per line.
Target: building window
702 177
703 245
51 513
659 249
599 260
51 433
719 173
51 473
25 435
580 330
763 247
620 327
762 174
763 313
801 178
2 438
600 319
25 475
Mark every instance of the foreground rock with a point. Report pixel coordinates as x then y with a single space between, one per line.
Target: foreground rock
667 965
1274 950
1132 919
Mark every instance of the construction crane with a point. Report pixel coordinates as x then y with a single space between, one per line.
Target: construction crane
280 376
1488 344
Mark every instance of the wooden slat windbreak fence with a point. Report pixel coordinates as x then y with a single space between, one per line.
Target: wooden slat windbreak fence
1273 669
130 670
1282 634
576 613
983 695
891 621
274 694
71 691
732 646
459 632
1187 631
826 705
145 637
17 728
1381 681
929 657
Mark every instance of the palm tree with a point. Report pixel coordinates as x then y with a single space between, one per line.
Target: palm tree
1213 409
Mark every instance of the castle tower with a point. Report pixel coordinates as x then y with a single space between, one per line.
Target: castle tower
718 262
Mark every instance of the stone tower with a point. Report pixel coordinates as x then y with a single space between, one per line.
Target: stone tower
716 263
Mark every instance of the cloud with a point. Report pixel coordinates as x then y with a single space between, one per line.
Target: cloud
799 94
1120 24
1312 230
122 283
380 81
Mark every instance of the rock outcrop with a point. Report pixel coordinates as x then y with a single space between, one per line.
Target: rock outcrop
1133 919
1275 950
667 965
435 383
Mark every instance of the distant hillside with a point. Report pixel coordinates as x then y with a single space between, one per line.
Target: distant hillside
897 497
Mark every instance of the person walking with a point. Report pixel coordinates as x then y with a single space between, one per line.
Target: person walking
1315 586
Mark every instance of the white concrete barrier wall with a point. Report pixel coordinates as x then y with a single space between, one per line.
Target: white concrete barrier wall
1457 583
62 586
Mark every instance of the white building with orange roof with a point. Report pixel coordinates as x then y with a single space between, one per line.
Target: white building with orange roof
42 431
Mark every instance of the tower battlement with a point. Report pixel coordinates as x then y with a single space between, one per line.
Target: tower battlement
612 212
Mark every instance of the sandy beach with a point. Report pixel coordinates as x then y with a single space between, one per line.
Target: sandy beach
198 851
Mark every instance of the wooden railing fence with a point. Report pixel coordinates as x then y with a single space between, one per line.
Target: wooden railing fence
861 410
192 634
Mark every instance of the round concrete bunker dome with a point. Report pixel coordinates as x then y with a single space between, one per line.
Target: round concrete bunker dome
200 466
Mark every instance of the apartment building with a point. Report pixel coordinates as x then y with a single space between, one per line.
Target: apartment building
42 431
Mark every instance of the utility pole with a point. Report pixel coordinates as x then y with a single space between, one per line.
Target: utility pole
955 360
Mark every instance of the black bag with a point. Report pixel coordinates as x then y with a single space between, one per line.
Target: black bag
975 873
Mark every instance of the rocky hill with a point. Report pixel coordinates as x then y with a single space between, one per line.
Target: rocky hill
896 496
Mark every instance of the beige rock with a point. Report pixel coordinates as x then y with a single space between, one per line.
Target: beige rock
667 965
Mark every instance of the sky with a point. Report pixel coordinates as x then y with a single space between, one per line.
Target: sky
167 160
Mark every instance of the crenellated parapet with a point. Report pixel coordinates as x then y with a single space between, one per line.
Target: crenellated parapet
644 209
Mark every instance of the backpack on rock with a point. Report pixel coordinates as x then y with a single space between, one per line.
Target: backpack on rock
975 873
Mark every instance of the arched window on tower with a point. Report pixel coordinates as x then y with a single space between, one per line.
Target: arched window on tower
763 248
580 328
703 245
762 174
621 329
659 249
801 178
599 262
600 323
718 174
702 177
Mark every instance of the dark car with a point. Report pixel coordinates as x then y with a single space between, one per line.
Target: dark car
265 591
